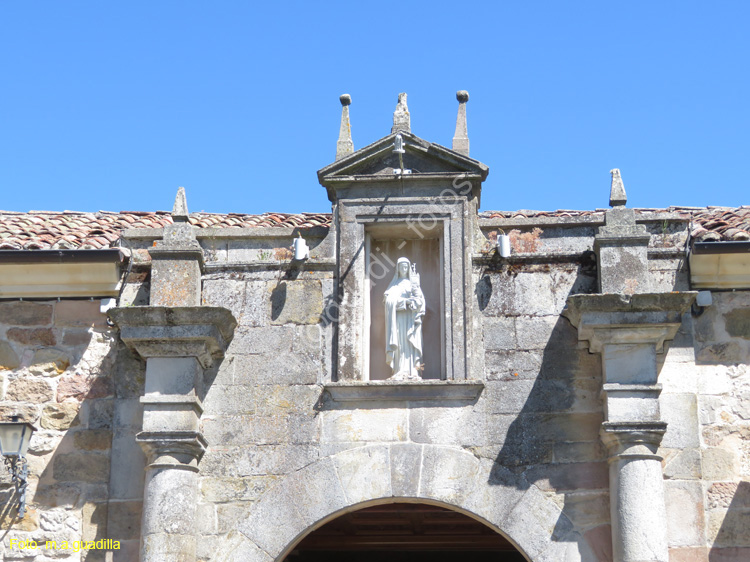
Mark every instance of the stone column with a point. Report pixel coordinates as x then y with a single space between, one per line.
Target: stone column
178 343
628 332
179 339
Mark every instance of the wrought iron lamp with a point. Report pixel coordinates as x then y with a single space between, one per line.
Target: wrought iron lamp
15 437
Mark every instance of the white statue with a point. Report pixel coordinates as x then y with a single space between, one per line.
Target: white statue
404 311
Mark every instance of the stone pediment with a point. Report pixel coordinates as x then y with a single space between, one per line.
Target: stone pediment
378 161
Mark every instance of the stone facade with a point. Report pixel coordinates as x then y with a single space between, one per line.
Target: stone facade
224 410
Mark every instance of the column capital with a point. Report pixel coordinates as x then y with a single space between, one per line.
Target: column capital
648 318
173 449
203 332
633 439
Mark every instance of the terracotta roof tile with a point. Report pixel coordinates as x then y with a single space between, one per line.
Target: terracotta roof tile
47 230
38 230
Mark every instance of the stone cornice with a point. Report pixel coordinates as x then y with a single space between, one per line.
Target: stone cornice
398 391
650 318
203 332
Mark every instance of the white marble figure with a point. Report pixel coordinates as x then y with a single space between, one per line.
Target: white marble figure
404 311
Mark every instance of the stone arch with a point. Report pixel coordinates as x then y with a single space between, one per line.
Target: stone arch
451 477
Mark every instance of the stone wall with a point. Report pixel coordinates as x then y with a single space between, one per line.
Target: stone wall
722 348
58 371
267 415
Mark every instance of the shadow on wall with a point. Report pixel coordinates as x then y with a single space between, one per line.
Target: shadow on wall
732 501
722 342
546 392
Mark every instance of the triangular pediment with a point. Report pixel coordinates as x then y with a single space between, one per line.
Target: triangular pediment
422 158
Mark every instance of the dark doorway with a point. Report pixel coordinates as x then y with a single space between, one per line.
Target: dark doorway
401 532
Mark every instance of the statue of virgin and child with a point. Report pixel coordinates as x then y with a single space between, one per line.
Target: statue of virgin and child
404 312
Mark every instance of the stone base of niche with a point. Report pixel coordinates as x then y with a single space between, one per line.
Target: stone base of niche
404 391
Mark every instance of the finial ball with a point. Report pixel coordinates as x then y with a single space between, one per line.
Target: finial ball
345 99
462 96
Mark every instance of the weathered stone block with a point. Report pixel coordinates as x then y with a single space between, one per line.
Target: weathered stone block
273 521
318 491
386 424
231 430
364 473
76 337
221 490
127 470
29 390
237 546
448 426
49 362
295 302
303 428
62 494
229 400
25 313
726 494
267 430
685 522
579 452
569 476
93 439
247 300
729 527
535 332
499 334
79 314
32 336
8 357
587 509
720 464
25 413
406 468
98 413
447 474
124 519
513 365
680 411
43 442
682 464
81 387
81 467
280 399
206 520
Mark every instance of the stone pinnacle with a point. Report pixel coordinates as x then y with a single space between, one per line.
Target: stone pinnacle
461 136
344 146
180 209
401 118
617 196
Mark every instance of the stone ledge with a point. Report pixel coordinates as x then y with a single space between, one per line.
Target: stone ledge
203 332
404 391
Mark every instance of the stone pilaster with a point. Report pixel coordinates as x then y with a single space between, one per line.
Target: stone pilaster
178 344
178 338
177 261
629 332
621 246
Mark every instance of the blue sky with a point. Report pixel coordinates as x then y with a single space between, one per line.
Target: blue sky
114 105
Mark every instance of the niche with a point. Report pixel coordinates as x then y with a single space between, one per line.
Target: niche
384 247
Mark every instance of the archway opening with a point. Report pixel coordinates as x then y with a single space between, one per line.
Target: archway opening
404 532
